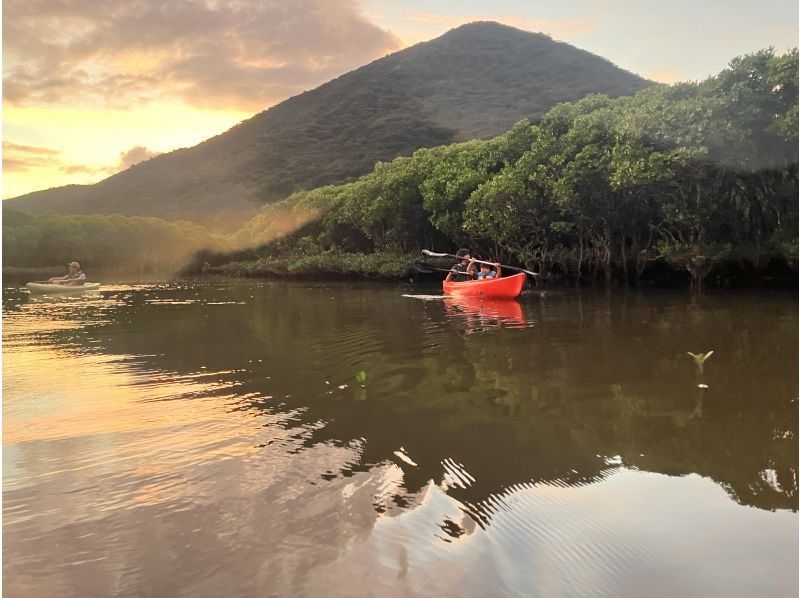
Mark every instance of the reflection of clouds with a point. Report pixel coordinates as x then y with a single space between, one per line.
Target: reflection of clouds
634 532
250 53
116 474
166 470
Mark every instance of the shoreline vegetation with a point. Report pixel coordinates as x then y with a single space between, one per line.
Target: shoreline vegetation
330 265
691 184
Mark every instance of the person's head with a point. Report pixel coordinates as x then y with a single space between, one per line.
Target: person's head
74 266
485 268
463 254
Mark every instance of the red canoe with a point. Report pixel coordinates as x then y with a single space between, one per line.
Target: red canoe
507 287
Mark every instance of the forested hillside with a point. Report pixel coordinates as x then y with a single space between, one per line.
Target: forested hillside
473 82
694 176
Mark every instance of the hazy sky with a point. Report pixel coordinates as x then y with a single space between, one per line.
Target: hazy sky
93 86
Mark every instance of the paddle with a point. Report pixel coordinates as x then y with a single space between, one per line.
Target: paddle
425 269
432 254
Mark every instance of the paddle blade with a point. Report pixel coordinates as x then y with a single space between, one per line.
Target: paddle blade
432 254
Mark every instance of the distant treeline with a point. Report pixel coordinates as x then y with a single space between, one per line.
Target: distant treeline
120 244
687 176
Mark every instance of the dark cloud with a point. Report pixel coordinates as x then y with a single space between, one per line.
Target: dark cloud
234 53
134 156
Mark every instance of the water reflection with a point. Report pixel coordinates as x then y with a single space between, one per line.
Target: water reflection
567 448
484 314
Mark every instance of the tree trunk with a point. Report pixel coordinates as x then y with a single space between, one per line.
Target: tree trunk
699 267
624 258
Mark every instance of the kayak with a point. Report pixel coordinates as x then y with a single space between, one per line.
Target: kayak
506 287
43 287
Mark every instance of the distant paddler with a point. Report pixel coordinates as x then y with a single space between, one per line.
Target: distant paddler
74 277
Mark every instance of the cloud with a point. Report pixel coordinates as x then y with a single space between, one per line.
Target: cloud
134 155
21 158
9 146
233 54
24 158
24 164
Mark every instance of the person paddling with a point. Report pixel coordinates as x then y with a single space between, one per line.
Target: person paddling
75 276
465 268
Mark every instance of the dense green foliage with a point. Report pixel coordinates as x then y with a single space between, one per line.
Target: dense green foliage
474 82
328 265
694 175
106 243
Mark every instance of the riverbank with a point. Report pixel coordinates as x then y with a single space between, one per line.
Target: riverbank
329 265
384 266
397 267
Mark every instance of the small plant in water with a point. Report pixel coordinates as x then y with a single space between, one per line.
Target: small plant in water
361 377
700 358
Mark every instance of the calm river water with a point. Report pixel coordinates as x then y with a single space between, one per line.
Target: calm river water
288 439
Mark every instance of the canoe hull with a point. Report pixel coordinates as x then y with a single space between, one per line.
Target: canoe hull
507 287
49 289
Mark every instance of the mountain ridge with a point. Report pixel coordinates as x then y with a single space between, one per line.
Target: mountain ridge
475 81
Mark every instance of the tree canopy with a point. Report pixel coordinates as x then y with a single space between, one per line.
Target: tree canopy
691 174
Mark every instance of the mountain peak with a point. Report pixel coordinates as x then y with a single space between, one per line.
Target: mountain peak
484 26
475 81
483 29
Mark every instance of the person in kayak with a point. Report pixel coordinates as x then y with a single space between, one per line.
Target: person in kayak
75 276
465 268
487 272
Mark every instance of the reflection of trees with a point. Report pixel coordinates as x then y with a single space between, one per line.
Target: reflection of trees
513 405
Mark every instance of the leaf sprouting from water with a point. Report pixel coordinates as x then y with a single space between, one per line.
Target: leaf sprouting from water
700 358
